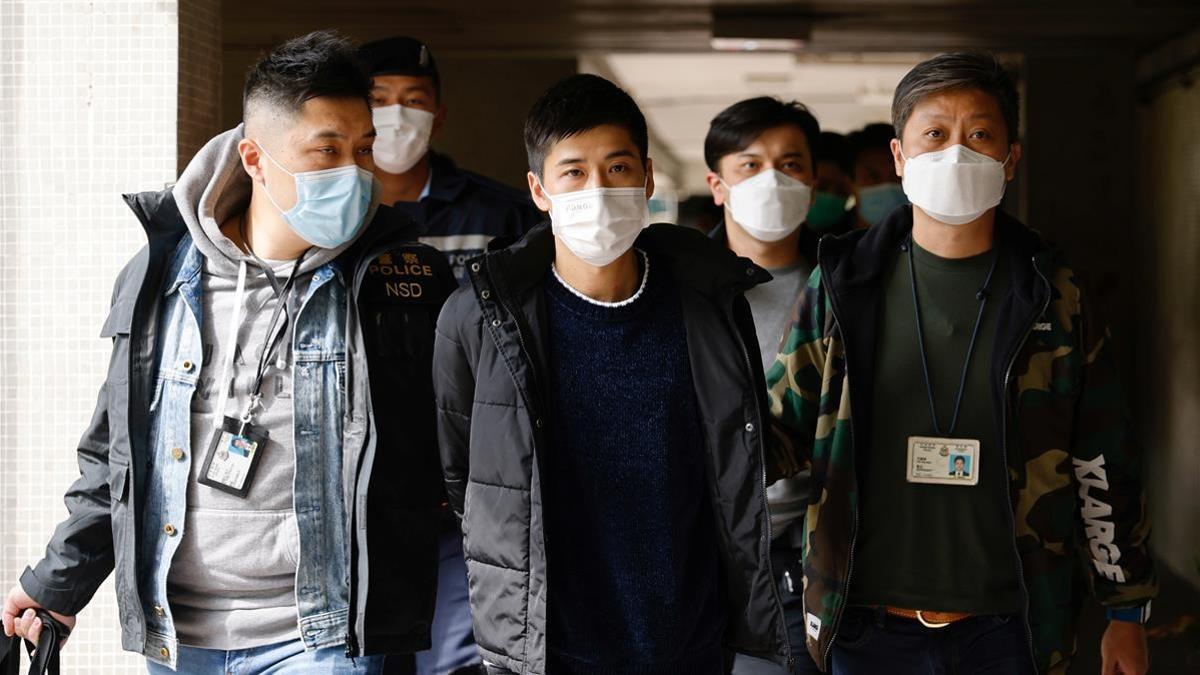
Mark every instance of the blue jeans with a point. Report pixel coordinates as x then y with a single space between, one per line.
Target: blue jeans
284 658
870 641
453 640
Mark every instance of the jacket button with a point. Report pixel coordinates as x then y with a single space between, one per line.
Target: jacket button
749 271
159 611
538 423
486 294
169 529
165 653
177 453
495 323
474 267
749 426
187 365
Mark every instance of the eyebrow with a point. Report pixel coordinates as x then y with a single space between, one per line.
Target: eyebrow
794 153
943 116
333 134
579 160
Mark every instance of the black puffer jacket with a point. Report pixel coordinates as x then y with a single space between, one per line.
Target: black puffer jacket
490 366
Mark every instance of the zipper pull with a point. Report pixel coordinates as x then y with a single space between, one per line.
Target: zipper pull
351 646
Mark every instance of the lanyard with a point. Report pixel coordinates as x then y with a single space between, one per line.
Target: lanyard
274 335
982 296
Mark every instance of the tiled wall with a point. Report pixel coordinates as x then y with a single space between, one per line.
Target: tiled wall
87 111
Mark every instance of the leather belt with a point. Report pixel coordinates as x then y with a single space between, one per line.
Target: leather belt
928 619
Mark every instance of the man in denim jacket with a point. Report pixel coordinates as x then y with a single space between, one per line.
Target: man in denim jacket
265 433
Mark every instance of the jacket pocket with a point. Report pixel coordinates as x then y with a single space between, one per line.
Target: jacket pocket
118 482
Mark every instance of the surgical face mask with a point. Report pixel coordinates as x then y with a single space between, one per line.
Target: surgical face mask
826 212
877 201
331 205
599 225
955 185
402 136
769 205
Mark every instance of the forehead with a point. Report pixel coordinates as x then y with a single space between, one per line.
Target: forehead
785 138
350 116
957 105
590 143
397 84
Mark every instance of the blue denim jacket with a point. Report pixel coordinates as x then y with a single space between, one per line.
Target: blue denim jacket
322 577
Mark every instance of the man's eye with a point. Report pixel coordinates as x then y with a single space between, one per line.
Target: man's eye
749 165
572 173
934 133
369 150
979 134
619 168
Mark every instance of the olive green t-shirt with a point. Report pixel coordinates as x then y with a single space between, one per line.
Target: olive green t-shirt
931 546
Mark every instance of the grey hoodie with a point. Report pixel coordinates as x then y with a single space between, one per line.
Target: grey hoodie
231 584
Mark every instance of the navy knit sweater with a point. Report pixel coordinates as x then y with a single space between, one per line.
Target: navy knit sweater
632 567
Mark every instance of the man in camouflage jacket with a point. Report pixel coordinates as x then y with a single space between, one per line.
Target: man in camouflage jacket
1074 478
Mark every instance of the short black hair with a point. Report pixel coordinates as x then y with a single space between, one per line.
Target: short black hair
737 126
874 136
958 70
575 105
836 148
316 65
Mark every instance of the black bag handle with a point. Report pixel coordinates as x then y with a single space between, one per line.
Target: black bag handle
43 658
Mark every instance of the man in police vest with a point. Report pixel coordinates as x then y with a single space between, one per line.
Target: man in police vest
458 212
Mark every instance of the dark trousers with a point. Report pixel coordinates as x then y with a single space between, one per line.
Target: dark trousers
870 641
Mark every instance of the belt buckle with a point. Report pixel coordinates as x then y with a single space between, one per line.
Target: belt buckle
929 624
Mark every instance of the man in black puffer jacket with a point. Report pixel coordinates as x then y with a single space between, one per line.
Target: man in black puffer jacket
601 421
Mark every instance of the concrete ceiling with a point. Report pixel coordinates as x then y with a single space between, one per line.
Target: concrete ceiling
566 27
678 95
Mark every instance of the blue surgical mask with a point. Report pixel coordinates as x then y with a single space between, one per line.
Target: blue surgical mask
331 204
877 201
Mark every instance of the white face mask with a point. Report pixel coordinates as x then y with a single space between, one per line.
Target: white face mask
955 185
769 205
403 136
601 224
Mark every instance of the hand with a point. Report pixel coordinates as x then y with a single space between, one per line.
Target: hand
1123 649
20 619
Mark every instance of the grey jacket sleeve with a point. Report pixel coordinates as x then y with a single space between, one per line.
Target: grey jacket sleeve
454 388
80 556
80 553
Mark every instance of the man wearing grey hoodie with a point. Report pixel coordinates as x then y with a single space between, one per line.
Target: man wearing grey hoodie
240 473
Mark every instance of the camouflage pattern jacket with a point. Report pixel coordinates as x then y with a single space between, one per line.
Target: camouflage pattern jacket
1074 466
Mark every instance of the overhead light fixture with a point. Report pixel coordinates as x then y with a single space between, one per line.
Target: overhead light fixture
726 44
760 31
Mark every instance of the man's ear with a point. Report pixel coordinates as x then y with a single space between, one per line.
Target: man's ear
898 156
252 160
1010 170
715 187
536 191
649 178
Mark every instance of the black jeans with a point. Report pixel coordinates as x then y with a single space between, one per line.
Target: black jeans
871 641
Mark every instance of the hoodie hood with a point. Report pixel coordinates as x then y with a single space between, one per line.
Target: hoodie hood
214 187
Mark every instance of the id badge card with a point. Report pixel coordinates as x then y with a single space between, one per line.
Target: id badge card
233 456
943 461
